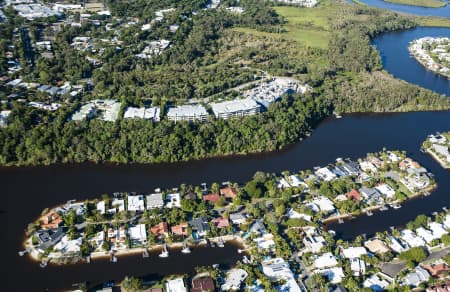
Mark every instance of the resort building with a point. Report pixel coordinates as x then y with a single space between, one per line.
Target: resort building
235 108
188 113
152 113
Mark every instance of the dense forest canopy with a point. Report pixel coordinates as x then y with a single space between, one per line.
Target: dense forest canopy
210 52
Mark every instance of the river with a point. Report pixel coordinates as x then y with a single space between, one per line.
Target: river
28 190
422 11
393 47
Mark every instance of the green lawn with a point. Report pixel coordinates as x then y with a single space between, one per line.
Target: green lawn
306 26
421 3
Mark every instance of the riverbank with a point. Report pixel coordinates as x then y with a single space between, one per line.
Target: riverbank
432 54
420 3
438 147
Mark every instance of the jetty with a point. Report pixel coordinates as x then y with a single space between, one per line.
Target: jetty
145 254
186 248
164 253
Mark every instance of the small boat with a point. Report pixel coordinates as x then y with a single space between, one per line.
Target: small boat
164 253
220 243
88 259
113 258
369 213
43 264
384 208
396 206
245 260
186 248
332 232
340 220
145 254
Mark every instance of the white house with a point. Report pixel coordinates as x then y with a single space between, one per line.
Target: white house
314 243
155 201
136 203
367 166
322 204
335 275
425 234
357 266
437 229
396 245
119 204
175 285
386 190
411 238
325 174
173 200
138 234
265 242
327 260
353 252
292 214
375 283
101 207
234 279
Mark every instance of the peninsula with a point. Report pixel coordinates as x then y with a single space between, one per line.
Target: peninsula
438 146
421 3
188 215
433 54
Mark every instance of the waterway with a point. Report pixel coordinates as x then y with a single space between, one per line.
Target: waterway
26 191
393 48
422 11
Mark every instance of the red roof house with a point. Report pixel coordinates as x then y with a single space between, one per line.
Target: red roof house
229 192
180 229
214 197
354 195
221 222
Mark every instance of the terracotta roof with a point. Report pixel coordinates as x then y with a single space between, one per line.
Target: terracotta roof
228 192
439 288
221 222
354 195
50 220
160 229
436 270
180 229
214 197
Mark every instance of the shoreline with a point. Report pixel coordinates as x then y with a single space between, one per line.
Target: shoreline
33 255
377 207
442 5
414 53
438 159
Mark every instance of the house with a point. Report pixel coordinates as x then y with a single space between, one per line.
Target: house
136 203
415 182
325 174
334 275
265 242
277 269
257 227
180 229
237 218
292 214
66 246
314 243
160 229
386 190
411 238
322 204
396 245
437 229
200 225
376 161
101 207
291 181
155 201
376 283
426 234
138 234
414 279
357 266
367 166
353 252
351 167
376 246
98 239
327 260
117 236
220 222
119 204
393 157
354 195
371 195
212 198
229 192
173 200
51 220
436 270
175 285
49 237
234 279
203 284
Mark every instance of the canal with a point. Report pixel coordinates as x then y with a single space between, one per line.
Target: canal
26 191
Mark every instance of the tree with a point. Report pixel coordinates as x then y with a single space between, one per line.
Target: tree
414 255
131 284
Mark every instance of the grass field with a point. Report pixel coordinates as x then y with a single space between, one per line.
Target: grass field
421 3
306 26
433 21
